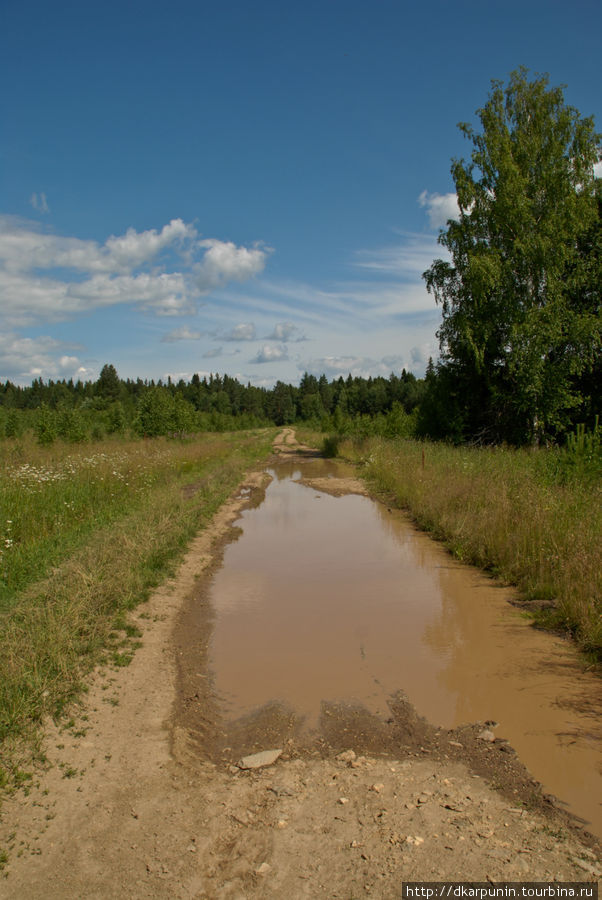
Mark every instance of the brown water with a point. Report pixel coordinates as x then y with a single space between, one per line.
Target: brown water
336 599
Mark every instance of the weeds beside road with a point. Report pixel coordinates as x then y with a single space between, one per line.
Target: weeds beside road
85 535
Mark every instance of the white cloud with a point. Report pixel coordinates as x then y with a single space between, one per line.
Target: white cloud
23 248
598 169
134 248
211 354
69 363
46 277
421 353
29 258
224 261
22 359
286 331
395 362
165 293
440 208
39 202
181 334
243 332
268 354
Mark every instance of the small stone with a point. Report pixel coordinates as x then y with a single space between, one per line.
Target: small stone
347 756
343 800
258 760
282 823
487 736
233 770
415 840
456 744
263 869
377 788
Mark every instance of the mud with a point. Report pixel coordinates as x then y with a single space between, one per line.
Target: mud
327 607
127 806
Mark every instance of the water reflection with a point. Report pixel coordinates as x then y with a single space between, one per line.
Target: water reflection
336 600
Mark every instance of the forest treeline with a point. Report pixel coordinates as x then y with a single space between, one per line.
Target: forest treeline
76 411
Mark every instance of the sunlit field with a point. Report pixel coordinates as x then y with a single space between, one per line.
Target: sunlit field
85 534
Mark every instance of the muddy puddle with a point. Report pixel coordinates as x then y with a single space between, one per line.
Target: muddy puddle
326 603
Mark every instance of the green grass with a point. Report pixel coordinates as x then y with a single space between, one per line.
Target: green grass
86 535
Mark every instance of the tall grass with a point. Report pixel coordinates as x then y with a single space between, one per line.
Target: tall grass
516 513
85 535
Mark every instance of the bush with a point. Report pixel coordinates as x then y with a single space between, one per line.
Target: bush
45 426
330 446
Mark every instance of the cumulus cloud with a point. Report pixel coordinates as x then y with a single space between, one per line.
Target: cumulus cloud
598 169
134 248
439 208
24 358
109 274
24 248
394 363
270 353
46 277
420 354
286 331
181 334
224 261
243 332
39 203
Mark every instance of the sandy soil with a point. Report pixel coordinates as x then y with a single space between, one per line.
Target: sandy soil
142 798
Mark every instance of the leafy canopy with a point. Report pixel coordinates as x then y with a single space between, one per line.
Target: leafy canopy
517 334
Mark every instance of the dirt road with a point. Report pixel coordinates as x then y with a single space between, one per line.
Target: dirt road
133 804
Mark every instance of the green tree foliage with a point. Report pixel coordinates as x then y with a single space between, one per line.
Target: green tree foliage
155 413
70 424
282 406
116 420
45 425
75 412
520 302
108 385
13 427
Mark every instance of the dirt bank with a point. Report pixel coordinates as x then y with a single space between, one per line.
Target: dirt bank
142 798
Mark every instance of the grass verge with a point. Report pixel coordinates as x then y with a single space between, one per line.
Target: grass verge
90 537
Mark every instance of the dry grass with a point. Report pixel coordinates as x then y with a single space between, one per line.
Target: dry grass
107 531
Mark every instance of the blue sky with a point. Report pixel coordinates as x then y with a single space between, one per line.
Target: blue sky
250 188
